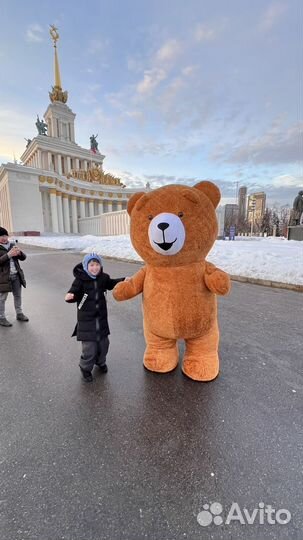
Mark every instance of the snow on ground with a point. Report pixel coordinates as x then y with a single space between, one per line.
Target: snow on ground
275 259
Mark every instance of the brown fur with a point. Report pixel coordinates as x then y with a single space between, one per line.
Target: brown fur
179 291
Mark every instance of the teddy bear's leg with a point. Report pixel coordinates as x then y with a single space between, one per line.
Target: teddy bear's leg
161 354
201 359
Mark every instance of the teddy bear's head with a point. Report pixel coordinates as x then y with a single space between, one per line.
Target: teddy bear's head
174 225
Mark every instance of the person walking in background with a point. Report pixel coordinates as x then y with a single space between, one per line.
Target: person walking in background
11 277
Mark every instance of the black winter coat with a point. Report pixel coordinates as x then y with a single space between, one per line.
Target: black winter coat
92 322
5 283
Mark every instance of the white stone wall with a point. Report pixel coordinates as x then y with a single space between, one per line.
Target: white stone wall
25 200
5 211
109 224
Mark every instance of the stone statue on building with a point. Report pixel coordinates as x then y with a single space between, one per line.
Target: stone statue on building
41 126
297 211
28 141
93 143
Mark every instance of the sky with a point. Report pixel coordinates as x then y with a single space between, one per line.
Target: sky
177 91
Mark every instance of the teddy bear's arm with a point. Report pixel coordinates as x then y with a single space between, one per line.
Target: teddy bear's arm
216 280
131 287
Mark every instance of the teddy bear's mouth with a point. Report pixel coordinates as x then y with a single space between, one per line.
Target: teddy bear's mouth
165 245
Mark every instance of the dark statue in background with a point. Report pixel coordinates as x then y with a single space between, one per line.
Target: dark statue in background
93 143
28 141
297 211
41 126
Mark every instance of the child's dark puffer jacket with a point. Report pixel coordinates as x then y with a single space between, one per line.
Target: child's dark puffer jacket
92 316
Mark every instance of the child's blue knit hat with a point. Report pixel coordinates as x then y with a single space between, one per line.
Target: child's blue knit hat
91 257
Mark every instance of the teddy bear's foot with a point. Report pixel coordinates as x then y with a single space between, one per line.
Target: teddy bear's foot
201 369
161 361
201 360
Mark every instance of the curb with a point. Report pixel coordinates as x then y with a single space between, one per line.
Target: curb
268 283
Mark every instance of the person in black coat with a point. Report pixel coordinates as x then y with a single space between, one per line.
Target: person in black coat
92 328
11 277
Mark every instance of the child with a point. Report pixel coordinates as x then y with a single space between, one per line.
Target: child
11 277
92 329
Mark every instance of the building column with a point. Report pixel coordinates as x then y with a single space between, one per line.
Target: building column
82 207
119 205
59 163
74 215
39 159
66 213
110 206
68 165
100 208
85 165
54 210
60 211
49 161
77 163
91 208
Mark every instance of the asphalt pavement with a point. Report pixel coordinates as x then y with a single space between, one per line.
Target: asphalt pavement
137 455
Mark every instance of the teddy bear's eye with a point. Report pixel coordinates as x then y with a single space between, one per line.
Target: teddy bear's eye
180 214
150 217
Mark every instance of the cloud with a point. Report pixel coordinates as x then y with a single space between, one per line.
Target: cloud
278 145
204 33
287 180
189 70
135 115
34 33
272 16
169 51
151 80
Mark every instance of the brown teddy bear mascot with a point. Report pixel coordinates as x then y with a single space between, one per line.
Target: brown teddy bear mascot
173 228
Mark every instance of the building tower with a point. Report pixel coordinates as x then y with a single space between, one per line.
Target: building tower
242 203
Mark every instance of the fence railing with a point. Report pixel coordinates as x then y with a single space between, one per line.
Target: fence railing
108 224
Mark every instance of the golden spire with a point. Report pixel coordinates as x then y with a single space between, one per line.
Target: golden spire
57 93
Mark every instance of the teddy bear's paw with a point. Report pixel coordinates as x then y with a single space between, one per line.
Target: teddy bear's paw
218 282
160 361
203 370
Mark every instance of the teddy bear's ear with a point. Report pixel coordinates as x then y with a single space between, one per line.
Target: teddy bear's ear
210 190
132 201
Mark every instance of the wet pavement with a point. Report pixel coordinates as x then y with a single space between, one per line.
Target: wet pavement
139 455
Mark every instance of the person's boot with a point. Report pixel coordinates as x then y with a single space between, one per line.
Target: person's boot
86 375
22 317
5 322
103 368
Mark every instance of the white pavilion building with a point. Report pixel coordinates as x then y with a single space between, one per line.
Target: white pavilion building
58 182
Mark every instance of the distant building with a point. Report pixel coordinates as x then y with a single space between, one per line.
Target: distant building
242 194
256 207
231 212
220 218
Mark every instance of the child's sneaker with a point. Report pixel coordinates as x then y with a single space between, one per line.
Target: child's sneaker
87 376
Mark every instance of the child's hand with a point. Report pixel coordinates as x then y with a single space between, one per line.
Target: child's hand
69 296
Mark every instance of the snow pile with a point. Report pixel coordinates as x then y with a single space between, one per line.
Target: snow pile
275 259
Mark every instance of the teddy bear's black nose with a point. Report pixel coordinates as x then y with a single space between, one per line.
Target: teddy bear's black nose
163 226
